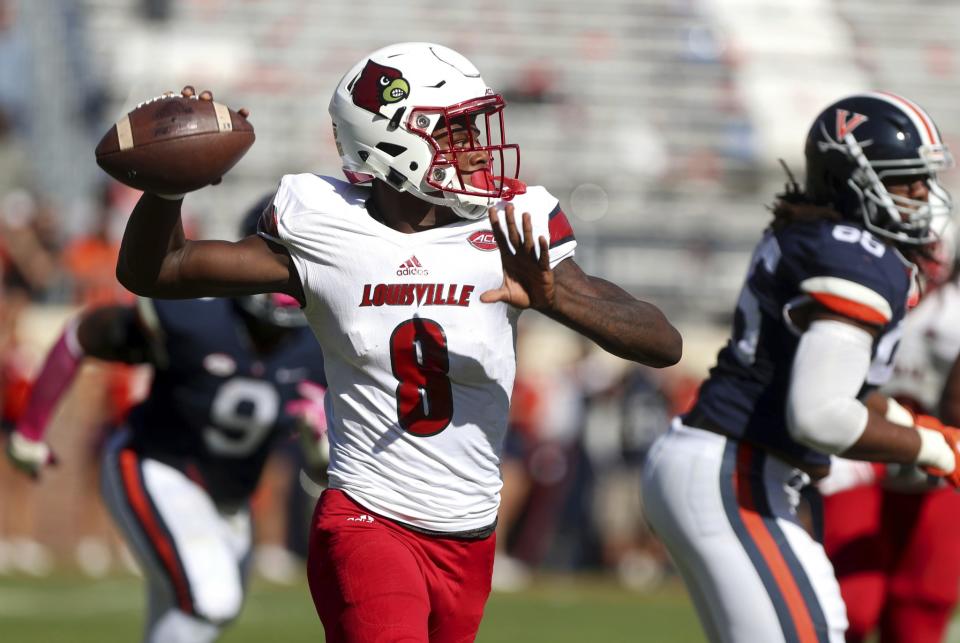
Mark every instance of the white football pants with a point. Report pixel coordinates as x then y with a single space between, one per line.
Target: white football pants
194 556
727 513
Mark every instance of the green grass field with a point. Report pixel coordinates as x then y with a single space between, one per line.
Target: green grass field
66 609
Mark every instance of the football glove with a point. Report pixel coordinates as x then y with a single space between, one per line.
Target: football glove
311 423
952 437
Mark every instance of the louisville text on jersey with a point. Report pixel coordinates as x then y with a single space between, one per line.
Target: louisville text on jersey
419 294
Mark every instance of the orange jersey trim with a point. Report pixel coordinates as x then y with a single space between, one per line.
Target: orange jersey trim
850 308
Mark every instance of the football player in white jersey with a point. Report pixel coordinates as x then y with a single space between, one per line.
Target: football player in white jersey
412 275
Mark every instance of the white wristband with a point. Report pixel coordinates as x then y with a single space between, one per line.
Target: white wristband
35 452
934 451
169 197
897 414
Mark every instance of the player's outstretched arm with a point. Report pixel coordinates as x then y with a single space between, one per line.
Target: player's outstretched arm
619 323
110 333
605 313
156 260
824 412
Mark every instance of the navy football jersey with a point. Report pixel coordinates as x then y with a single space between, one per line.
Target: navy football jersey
842 267
216 405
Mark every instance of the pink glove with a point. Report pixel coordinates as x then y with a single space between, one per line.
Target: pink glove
26 448
311 423
309 408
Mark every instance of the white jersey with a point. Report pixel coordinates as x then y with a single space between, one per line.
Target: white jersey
928 348
420 372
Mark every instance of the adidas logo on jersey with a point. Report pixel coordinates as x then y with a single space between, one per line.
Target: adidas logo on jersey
361 518
412 266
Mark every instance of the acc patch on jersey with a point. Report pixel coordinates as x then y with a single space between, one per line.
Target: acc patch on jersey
483 240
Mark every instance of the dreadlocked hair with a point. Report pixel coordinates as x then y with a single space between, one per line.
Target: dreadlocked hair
794 206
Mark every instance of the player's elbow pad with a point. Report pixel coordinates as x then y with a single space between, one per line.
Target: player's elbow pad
829 369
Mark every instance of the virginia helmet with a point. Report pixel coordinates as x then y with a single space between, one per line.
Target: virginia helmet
860 142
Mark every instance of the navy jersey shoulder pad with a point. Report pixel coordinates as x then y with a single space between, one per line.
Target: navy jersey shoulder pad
846 268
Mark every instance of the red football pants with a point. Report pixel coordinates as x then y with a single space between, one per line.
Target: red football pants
374 580
897 560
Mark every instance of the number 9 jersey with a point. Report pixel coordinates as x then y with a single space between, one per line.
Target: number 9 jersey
840 266
216 405
420 372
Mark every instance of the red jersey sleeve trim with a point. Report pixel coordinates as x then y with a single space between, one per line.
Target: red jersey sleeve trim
559 228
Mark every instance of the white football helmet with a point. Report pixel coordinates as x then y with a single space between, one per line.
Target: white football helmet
385 113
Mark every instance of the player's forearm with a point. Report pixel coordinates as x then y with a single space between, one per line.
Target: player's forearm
894 434
620 324
59 370
152 246
157 261
884 441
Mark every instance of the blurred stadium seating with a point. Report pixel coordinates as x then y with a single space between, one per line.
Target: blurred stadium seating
658 123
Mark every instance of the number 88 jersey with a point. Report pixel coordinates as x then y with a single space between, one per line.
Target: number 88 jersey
420 372
840 266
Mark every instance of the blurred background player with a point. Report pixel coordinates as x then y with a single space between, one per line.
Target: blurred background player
29 254
231 378
888 536
815 329
105 391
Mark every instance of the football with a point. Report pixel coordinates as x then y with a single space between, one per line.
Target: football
174 144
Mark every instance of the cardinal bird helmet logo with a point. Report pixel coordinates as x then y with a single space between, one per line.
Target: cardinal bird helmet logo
379 85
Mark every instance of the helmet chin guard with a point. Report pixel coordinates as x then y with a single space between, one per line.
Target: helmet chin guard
390 110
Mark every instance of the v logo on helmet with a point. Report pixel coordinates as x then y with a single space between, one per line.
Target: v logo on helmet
846 125
379 85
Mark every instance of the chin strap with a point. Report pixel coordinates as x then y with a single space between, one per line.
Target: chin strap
468 211
475 211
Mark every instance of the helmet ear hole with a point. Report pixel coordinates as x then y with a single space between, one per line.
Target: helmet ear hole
396 179
391 148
